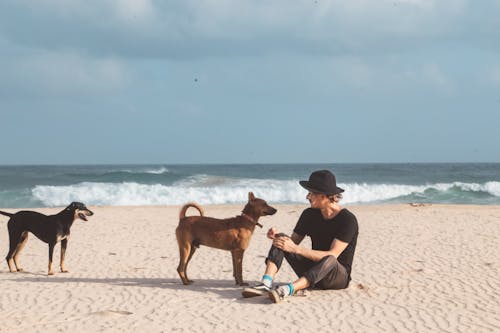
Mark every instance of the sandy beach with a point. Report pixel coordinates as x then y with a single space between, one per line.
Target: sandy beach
432 268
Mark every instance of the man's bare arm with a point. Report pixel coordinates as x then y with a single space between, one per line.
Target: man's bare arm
290 245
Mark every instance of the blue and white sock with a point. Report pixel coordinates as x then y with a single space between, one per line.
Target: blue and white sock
287 289
267 281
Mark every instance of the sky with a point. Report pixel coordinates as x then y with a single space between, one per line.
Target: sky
219 81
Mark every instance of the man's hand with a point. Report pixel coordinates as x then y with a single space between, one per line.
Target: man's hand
271 233
285 243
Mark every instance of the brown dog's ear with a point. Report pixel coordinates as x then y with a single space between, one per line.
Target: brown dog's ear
251 197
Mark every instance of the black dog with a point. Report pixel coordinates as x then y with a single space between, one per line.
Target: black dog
51 229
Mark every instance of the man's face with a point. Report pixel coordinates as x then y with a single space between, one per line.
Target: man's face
317 200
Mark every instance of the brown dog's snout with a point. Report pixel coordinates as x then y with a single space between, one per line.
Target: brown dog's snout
271 211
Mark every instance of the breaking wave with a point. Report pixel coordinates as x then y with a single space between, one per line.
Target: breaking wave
222 190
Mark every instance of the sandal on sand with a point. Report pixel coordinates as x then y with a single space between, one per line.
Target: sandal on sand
258 290
302 293
277 295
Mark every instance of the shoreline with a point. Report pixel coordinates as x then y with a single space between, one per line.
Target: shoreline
305 205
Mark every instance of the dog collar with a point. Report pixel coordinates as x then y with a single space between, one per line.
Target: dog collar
251 219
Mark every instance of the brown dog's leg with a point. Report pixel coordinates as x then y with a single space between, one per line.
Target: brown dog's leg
191 252
235 265
238 266
51 254
22 243
185 253
64 244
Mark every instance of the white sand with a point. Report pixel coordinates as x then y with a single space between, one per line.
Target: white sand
416 269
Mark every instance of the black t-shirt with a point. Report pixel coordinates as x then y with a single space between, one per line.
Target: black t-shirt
343 226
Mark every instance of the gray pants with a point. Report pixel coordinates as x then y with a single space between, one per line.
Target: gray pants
327 273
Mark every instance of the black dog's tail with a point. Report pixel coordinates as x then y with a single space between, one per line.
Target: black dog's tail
6 214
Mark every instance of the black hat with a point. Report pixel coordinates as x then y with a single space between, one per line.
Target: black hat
322 181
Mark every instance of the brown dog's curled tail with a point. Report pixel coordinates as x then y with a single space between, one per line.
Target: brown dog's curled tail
182 214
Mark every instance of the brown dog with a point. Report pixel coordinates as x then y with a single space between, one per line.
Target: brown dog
232 234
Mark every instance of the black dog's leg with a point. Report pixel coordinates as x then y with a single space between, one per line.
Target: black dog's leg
64 244
14 239
22 243
51 253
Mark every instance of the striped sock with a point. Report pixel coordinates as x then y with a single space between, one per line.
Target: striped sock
287 289
267 281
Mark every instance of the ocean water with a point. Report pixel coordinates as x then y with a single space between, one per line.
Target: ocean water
118 185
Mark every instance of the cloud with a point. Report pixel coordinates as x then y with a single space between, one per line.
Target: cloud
434 75
495 76
81 46
207 28
40 72
354 71
392 74
139 9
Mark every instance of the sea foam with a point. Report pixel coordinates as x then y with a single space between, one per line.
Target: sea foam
221 190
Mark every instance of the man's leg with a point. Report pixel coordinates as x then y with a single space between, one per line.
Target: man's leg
273 264
298 263
327 273
300 266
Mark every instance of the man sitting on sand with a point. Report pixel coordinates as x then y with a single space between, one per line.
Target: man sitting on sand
333 231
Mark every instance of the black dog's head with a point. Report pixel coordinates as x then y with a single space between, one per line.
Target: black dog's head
79 210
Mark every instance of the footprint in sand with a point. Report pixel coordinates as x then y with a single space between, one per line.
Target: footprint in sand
108 313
